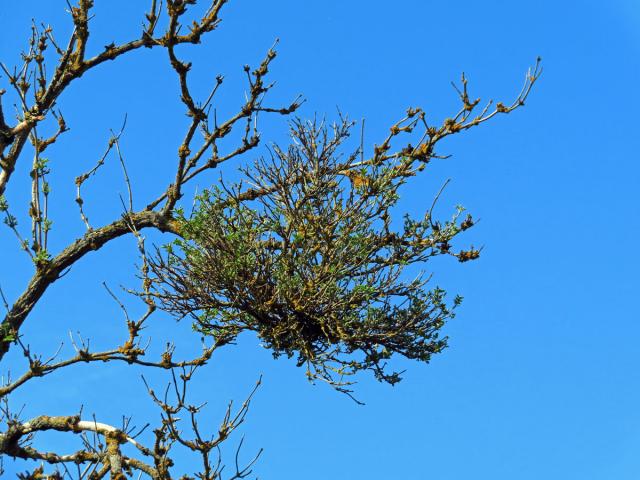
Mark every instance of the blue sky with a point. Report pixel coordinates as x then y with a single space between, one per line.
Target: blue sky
541 378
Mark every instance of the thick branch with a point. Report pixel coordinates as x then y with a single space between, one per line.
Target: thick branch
10 443
52 270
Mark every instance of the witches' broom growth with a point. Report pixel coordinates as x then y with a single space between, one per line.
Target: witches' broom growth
315 266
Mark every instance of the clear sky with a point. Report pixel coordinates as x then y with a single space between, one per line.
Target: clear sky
541 379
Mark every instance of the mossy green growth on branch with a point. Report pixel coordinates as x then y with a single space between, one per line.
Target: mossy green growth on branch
308 259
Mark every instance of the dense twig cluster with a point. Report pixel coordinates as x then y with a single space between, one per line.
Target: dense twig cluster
304 252
309 260
314 267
